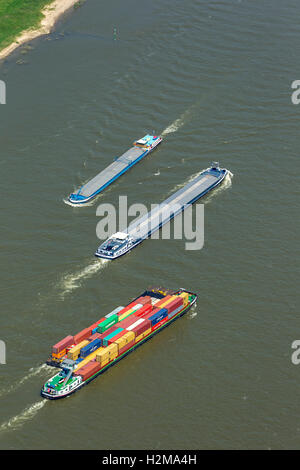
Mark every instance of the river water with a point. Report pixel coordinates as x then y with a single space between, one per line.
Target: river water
214 77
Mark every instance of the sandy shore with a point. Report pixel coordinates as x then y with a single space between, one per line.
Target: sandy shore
51 14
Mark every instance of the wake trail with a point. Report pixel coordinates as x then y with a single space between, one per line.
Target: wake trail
44 368
19 420
178 123
72 281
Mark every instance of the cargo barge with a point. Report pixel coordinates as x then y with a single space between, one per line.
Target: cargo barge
89 353
92 188
120 243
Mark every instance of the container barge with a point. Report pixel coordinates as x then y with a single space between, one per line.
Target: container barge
89 353
121 242
92 188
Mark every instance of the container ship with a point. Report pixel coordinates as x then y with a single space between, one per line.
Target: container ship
92 188
89 353
121 242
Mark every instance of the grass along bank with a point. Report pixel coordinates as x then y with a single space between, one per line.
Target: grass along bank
22 20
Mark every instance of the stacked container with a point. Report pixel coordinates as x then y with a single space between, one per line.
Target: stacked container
107 323
90 348
74 352
174 306
88 359
185 298
110 337
84 334
128 312
146 299
125 342
105 355
88 370
144 310
59 349
139 326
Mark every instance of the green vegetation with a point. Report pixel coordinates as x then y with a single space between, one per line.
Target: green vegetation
17 16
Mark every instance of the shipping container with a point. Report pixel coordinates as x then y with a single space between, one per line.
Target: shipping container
112 335
142 336
126 347
74 352
161 302
145 299
107 323
160 323
114 312
139 326
82 362
144 310
109 353
185 298
94 336
84 334
128 321
130 311
60 354
89 348
88 370
158 316
63 344
174 304
172 314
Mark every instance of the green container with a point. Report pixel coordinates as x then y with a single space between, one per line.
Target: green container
107 323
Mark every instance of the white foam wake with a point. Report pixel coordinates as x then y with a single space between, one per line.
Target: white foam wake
178 123
19 420
31 373
72 281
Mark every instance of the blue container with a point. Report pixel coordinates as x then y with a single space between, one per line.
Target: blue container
158 316
91 347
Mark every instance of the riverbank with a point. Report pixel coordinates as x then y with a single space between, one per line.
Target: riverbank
27 20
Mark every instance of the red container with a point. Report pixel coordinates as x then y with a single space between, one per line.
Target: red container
139 329
128 307
146 299
113 340
161 301
63 344
144 310
94 325
127 321
84 334
94 336
174 304
155 310
128 346
88 370
164 320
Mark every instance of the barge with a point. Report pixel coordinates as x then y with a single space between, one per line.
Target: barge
122 242
83 357
96 185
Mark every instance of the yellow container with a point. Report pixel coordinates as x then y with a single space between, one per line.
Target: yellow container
185 298
126 314
107 354
129 336
173 297
138 338
75 351
104 363
88 359
120 342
